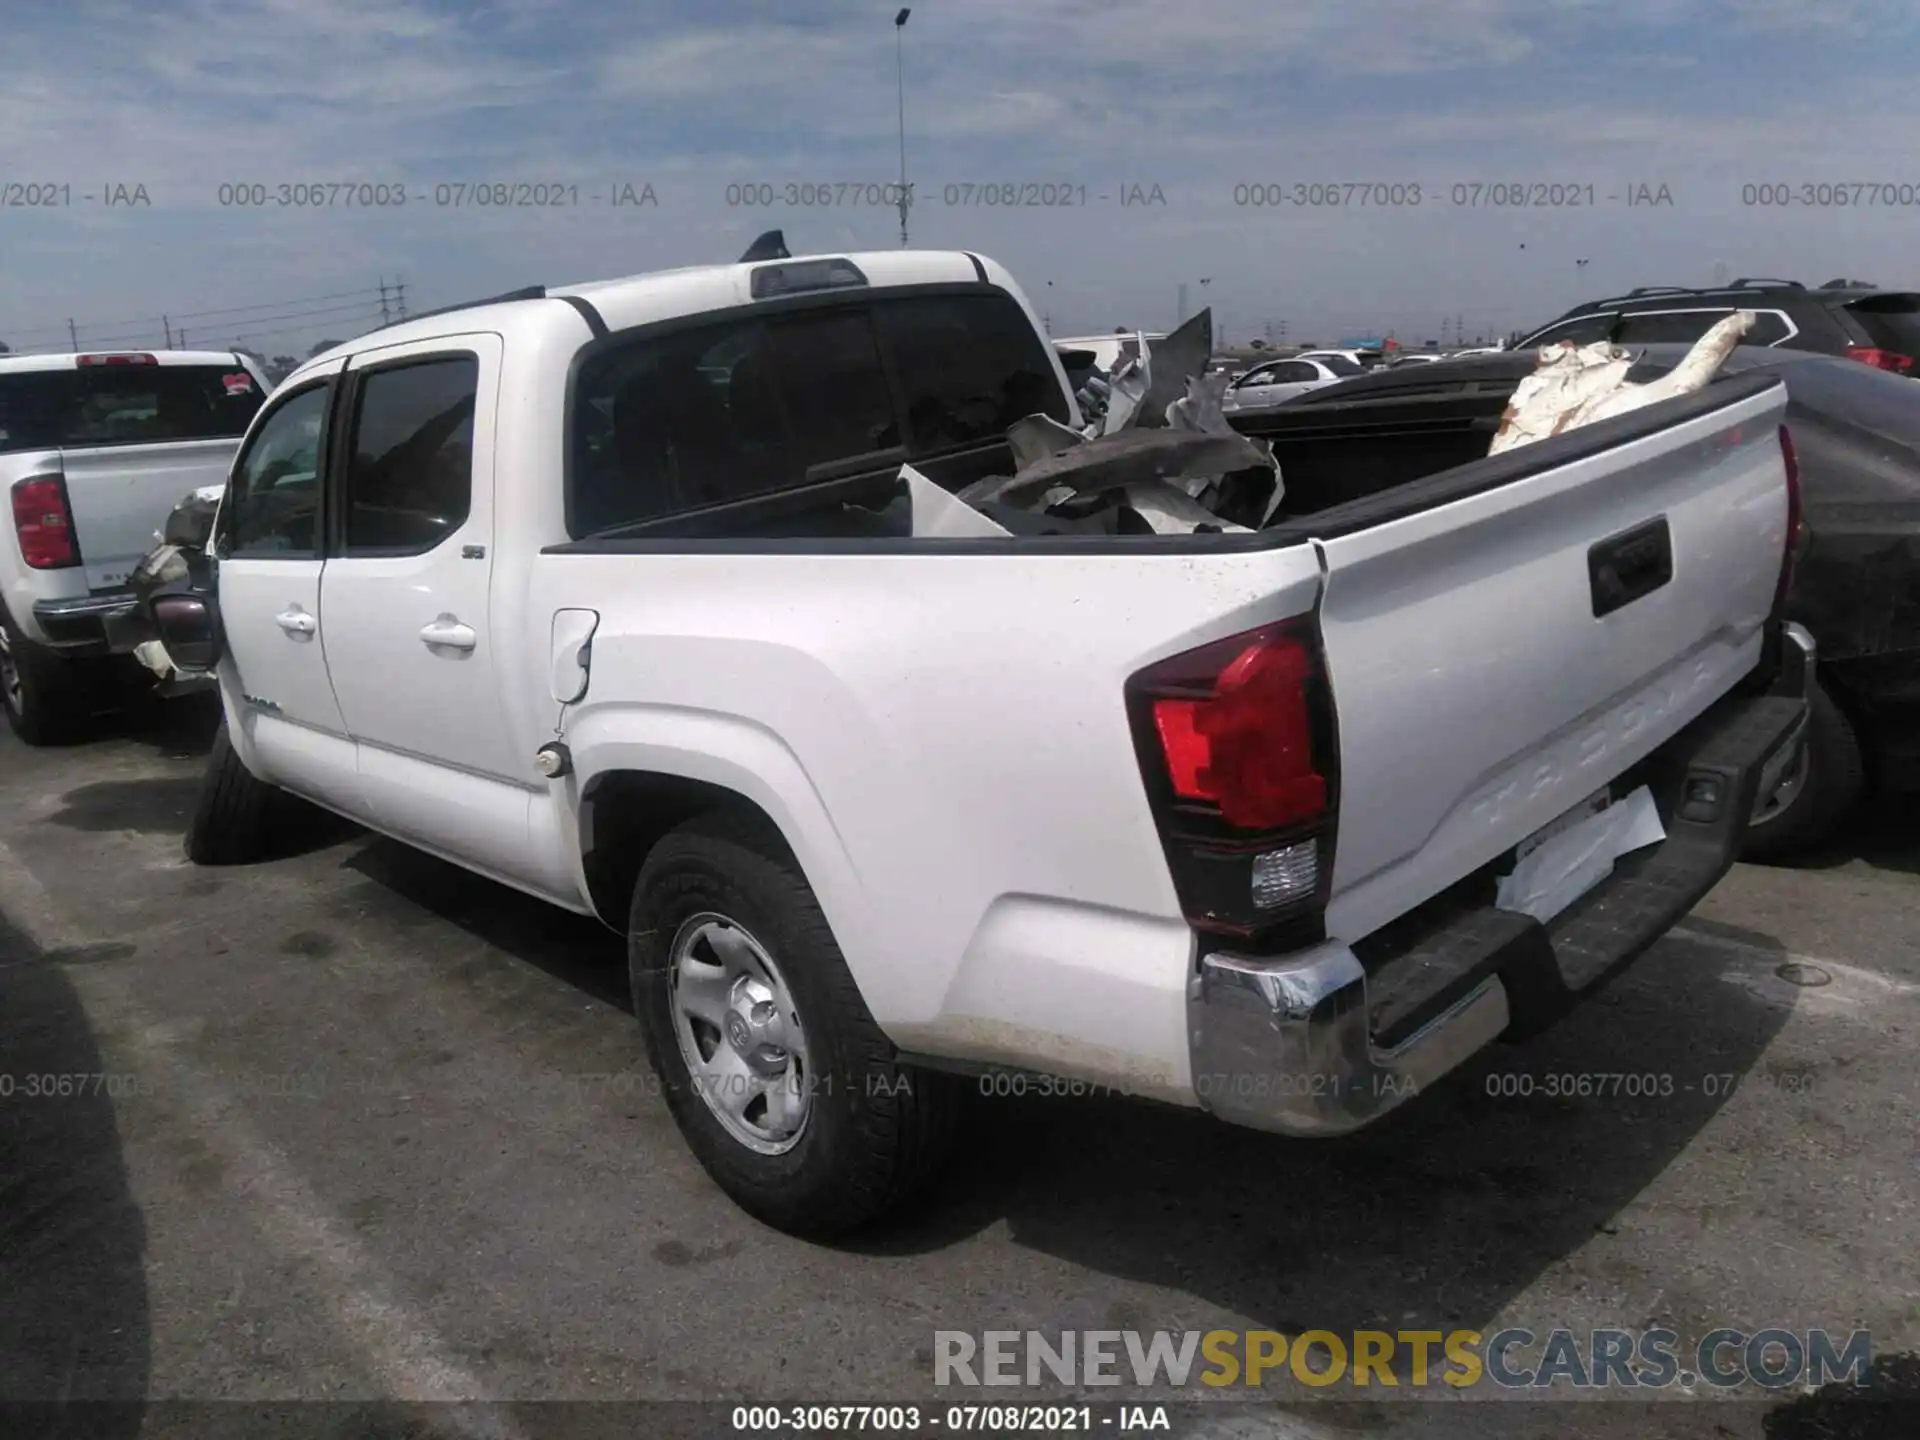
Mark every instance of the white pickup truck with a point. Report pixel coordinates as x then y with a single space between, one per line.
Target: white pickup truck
95 450
582 590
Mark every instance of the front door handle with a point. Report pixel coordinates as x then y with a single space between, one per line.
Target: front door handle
296 621
448 631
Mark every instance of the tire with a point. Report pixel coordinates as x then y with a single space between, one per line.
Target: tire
873 1131
230 822
1831 784
42 691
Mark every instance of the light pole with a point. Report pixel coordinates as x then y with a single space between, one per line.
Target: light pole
900 74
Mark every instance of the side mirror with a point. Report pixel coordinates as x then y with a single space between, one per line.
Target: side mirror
188 623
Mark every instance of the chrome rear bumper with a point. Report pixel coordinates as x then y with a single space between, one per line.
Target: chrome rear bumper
1296 1043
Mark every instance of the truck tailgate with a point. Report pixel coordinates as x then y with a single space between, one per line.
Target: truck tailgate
1499 654
121 494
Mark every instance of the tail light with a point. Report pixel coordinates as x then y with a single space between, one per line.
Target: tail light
127 359
1237 745
1796 520
44 523
1881 359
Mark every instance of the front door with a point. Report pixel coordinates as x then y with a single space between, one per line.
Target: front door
410 642
268 546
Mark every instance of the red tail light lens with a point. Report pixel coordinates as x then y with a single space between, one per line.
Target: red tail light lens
44 523
1796 520
1881 359
1237 745
1248 747
115 360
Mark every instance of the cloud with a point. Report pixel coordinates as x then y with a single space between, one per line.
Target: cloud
1700 94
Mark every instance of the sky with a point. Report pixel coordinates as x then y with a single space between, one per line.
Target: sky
1196 144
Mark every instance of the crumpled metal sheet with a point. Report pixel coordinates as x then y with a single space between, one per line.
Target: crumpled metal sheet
1576 385
191 521
1132 457
1161 449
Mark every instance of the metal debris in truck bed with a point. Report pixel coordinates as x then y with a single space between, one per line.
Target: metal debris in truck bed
1162 451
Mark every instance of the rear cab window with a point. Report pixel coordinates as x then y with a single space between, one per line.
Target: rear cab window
137 404
669 423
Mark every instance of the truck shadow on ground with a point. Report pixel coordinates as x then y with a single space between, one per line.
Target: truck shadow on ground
74 1331
1436 1216
1439 1214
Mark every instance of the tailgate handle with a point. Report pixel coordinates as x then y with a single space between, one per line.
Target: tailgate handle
1624 567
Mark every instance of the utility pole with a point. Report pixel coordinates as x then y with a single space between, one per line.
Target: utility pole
169 328
385 317
900 74
400 290
73 335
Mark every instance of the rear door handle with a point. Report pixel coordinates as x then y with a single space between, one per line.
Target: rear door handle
296 621
448 631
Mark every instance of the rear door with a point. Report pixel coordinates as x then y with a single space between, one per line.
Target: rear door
137 436
268 543
1480 695
411 645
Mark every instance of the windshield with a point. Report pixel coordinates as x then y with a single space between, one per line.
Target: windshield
125 405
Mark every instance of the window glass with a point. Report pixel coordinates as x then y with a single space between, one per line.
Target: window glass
675 422
1892 322
1683 327
1340 365
837 401
971 365
126 405
410 480
274 498
1582 331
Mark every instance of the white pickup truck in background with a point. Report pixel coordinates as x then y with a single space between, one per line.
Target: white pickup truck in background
618 593
95 450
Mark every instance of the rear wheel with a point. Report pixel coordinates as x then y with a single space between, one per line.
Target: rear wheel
41 690
786 1090
1816 795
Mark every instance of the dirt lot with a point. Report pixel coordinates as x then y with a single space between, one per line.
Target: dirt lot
370 1128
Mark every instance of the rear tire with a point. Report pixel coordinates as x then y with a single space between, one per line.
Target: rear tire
41 690
872 1132
230 822
1834 777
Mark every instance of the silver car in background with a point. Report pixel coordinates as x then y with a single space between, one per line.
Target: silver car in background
1278 381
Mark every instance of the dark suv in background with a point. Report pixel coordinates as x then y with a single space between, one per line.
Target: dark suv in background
1842 317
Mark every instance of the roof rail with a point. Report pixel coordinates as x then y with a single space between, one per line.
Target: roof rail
1657 290
531 292
1747 282
1844 284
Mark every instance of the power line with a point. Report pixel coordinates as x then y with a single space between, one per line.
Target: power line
366 295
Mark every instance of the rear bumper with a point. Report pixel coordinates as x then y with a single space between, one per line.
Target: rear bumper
1321 1042
90 624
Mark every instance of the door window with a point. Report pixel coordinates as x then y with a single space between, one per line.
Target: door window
273 502
409 482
